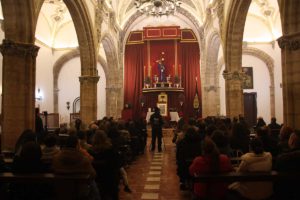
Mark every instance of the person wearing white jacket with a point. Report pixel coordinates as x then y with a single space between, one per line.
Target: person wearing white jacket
257 160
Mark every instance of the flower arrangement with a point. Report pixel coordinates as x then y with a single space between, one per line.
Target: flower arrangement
147 80
176 79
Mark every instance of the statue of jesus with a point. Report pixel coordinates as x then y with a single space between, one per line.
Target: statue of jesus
161 70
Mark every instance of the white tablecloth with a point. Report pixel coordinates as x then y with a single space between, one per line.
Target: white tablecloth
148 116
174 116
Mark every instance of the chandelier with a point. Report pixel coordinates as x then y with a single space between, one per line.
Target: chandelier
157 7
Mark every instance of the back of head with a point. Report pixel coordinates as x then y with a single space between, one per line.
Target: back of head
220 139
210 148
100 140
31 152
81 135
26 136
285 132
191 134
50 140
71 142
192 121
256 146
294 140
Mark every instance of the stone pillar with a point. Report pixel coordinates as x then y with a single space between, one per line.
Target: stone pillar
234 93
113 101
18 90
290 52
88 98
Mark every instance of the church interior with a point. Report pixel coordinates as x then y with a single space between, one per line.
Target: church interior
84 64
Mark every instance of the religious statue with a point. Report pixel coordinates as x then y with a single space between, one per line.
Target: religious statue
161 69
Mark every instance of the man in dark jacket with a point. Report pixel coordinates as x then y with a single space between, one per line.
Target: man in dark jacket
156 121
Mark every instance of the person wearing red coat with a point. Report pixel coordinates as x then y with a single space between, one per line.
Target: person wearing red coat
211 162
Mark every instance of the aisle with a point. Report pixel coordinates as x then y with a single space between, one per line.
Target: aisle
153 176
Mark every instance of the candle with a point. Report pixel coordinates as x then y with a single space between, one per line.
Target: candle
174 73
144 71
179 71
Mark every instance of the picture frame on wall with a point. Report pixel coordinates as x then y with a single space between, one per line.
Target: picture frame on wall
163 108
248 81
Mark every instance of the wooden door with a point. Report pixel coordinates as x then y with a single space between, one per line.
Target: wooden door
250 108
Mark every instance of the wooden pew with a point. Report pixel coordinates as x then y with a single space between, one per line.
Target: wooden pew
65 186
272 176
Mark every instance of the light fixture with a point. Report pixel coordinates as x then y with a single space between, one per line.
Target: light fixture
39 95
157 7
68 105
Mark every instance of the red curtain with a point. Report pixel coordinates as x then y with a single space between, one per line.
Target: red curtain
190 63
156 48
133 77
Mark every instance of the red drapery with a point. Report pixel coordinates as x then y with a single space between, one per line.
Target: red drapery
190 62
156 49
133 77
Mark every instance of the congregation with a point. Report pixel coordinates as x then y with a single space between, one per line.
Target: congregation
212 145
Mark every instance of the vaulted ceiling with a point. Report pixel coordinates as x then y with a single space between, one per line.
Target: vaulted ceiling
55 26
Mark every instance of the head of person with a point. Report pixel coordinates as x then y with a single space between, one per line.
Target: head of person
31 152
220 139
50 140
72 142
294 140
211 150
256 146
285 133
156 110
101 141
27 136
273 120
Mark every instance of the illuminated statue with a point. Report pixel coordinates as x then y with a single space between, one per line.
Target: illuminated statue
161 69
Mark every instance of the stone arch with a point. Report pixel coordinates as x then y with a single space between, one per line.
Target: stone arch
234 31
213 47
210 87
114 80
85 34
110 51
269 62
58 65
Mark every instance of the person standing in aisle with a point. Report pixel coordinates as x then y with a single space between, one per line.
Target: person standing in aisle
156 121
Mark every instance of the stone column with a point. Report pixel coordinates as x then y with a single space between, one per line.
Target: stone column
290 52
113 101
18 90
234 93
88 98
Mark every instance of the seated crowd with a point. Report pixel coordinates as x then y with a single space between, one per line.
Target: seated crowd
219 145
103 151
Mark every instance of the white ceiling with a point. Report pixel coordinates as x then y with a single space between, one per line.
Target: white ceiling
55 27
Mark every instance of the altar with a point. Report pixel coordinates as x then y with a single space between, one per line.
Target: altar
167 61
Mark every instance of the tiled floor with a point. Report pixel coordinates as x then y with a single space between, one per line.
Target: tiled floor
153 176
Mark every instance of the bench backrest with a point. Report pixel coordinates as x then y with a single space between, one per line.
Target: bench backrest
248 176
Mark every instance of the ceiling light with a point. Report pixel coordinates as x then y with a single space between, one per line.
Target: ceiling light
157 7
